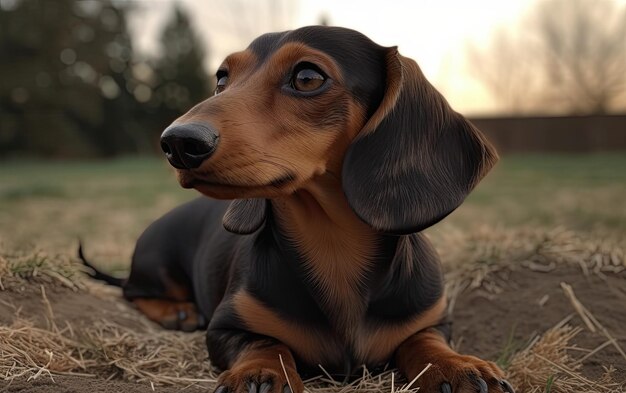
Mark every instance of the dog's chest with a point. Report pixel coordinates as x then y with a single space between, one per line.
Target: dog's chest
313 299
338 267
336 264
335 342
313 293
343 349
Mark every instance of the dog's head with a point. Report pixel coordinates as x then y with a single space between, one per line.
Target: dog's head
327 100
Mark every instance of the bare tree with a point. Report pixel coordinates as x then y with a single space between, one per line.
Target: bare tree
243 20
505 71
568 56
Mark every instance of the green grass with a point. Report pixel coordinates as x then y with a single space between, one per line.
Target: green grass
582 192
511 347
549 384
108 203
132 180
105 203
520 175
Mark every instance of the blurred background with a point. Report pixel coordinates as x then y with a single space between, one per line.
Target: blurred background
86 88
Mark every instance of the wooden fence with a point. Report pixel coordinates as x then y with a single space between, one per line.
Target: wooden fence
555 134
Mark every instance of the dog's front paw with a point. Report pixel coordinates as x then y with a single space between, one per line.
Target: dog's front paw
464 374
257 377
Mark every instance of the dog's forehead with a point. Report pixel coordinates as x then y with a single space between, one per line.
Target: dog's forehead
361 61
266 44
346 46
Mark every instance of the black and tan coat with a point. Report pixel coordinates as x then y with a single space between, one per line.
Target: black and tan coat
327 154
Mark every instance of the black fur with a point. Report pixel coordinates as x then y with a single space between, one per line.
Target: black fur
245 216
398 296
418 165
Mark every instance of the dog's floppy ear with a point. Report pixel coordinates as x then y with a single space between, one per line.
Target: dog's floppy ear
415 160
245 216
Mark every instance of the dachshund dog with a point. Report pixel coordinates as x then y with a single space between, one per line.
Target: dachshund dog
326 155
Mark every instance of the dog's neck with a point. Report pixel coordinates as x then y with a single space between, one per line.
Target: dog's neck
338 249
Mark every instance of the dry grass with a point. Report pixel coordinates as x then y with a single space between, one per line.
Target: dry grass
102 348
547 365
107 349
152 355
483 258
386 381
36 266
589 319
480 259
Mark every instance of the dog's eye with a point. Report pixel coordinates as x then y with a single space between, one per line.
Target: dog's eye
222 80
307 79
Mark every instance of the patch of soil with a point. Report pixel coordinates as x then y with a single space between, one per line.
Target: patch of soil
76 307
483 322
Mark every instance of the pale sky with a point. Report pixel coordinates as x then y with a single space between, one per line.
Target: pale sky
435 33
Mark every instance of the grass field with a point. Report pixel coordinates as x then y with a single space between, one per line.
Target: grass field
581 192
535 226
108 203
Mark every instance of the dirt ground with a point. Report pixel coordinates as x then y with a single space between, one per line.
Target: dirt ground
530 303
80 310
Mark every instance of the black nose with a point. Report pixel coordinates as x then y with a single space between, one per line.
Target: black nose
186 146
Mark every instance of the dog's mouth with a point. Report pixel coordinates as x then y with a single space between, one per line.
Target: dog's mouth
190 179
282 180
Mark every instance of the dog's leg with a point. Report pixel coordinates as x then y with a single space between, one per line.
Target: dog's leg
171 314
261 368
450 371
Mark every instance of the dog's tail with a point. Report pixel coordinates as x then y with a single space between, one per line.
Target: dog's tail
96 274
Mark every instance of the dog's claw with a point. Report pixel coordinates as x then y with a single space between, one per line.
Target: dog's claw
445 388
182 315
265 387
252 387
221 389
482 385
507 386
287 389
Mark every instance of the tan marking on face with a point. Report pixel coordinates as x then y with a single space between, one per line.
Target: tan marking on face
377 344
238 65
311 345
268 134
